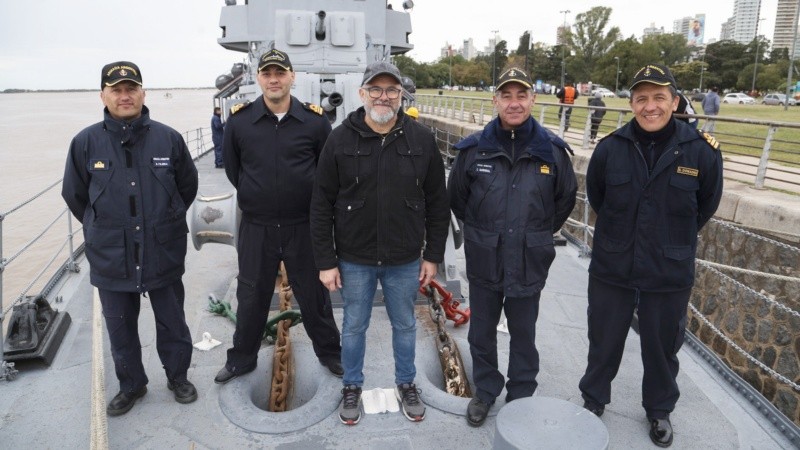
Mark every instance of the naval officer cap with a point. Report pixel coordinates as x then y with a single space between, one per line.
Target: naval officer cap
514 75
274 57
654 74
120 71
381 68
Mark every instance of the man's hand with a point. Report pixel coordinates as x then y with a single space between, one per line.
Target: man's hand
426 273
331 279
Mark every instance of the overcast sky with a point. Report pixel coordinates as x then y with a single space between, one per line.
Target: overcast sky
59 44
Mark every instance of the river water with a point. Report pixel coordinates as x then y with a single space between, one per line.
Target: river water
35 133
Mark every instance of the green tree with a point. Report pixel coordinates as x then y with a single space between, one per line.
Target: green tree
590 41
670 48
726 60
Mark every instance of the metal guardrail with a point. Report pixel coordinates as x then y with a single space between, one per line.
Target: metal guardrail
756 157
199 143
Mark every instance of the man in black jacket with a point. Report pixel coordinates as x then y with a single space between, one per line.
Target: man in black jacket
513 186
129 181
379 202
271 147
653 184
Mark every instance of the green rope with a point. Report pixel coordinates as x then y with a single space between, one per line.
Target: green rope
223 308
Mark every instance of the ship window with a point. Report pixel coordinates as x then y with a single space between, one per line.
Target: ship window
343 33
298 28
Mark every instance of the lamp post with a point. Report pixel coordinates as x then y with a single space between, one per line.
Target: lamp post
755 66
791 59
494 59
563 47
702 69
616 83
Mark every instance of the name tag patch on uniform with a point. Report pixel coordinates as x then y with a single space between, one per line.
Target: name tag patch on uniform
161 162
99 164
484 168
544 169
687 171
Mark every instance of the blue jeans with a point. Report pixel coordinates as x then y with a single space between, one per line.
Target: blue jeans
400 285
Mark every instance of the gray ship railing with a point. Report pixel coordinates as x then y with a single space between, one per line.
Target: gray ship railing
756 153
580 233
58 232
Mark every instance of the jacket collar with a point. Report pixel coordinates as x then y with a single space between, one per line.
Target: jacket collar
136 125
683 132
537 141
260 109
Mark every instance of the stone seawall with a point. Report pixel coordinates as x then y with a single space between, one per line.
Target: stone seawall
733 302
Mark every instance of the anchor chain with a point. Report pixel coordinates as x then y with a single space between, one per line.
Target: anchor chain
281 358
455 378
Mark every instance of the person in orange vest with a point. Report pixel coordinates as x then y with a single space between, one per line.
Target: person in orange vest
567 96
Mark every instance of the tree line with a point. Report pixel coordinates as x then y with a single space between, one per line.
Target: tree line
593 51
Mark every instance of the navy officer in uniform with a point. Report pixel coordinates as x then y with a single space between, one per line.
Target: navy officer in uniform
513 186
129 180
270 150
653 183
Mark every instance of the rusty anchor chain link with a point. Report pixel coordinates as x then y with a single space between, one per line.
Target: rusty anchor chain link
455 378
282 355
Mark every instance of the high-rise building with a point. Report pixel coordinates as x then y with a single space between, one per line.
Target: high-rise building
652 30
726 32
744 21
784 26
468 51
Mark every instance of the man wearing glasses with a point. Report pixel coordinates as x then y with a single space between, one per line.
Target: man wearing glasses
379 202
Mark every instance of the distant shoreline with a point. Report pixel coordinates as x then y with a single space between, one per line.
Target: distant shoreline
45 91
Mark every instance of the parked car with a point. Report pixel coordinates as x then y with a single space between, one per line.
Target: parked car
777 99
624 93
605 92
698 96
739 97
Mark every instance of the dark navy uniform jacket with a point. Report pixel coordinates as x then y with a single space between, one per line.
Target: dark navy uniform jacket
271 163
511 201
646 231
130 185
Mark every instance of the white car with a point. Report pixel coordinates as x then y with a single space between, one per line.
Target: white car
605 92
739 97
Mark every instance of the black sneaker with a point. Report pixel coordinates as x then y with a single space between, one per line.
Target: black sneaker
408 396
124 401
184 391
350 410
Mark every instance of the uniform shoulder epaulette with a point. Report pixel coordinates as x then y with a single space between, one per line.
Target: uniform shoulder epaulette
710 140
239 106
312 107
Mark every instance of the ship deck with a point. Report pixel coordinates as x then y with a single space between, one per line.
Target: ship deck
49 407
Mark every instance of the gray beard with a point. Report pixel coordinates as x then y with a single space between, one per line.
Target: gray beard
381 119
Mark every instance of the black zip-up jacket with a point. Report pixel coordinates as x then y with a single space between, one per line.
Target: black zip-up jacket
271 163
379 199
130 184
647 222
512 190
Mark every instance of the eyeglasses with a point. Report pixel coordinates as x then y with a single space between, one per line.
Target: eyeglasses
377 92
